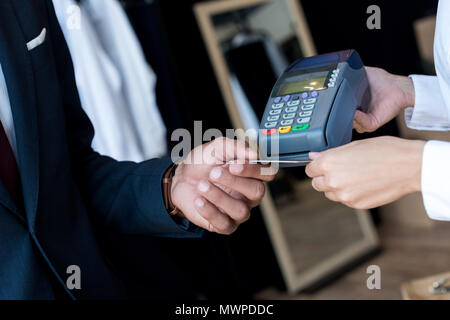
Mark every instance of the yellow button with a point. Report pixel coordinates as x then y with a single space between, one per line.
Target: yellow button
285 129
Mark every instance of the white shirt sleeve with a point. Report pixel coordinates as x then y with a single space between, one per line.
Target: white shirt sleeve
436 179
430 111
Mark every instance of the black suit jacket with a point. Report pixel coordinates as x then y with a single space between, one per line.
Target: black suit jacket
69 190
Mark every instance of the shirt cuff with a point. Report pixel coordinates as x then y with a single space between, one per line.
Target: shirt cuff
429 111
436 180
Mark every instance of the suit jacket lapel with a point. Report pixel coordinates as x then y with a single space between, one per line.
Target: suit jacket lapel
8 203
18 70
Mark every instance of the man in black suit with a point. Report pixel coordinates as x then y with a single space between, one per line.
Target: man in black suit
54 188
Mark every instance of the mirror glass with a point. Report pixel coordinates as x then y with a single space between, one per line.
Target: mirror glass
258 43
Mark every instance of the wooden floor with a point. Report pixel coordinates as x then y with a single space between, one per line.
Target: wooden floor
412 247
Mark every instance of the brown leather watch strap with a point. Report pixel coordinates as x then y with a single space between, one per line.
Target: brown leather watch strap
167 185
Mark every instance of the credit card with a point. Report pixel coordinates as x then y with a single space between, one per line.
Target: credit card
280 161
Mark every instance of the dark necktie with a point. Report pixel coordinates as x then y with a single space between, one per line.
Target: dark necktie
9 172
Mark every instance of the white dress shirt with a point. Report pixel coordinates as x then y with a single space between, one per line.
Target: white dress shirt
432 112
115 83
6 113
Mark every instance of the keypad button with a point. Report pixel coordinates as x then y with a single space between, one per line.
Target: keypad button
300 127
291 109
268 132
303 120
310 101
288 115
295 98
273 118
284 129
277 105
308 107
286 98
314 94
305 113
286 122
293 103
270 124
277 100
274 112
305 95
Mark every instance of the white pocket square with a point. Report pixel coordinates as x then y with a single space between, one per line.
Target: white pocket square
37 41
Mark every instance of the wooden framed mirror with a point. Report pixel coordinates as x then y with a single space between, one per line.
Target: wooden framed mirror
250 43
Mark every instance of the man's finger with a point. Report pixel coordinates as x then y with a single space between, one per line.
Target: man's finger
314 155
252 189
216 221
318 184
239 196
236 209
225 149
331 196
314 169
254 171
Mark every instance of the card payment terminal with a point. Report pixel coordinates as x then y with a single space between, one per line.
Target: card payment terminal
311 107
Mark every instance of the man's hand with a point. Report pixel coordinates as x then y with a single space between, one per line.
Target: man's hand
389 95
215 187
368 173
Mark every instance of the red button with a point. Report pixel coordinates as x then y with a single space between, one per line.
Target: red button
268 132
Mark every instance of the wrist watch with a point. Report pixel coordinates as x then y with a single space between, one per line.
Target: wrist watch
167 186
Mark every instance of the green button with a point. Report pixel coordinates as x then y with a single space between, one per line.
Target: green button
300 127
